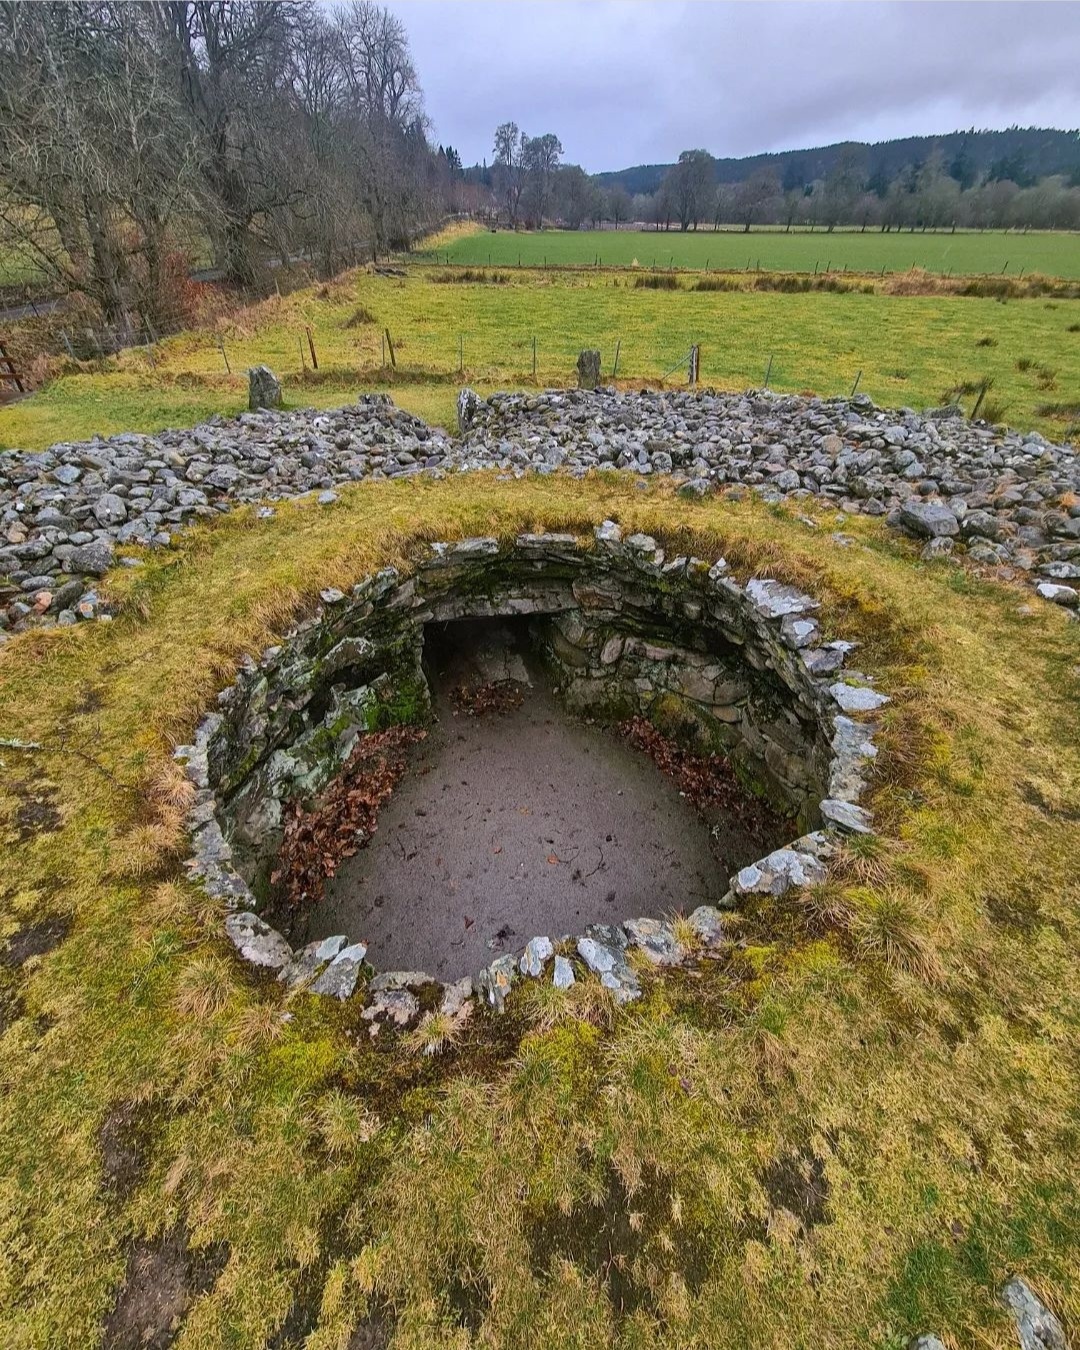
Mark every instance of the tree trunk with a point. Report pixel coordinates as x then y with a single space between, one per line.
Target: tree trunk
106 265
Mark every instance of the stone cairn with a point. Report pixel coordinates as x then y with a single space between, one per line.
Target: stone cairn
996 498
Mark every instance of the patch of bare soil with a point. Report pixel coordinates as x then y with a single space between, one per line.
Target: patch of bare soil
11 1008
797 1182
36 939
124 1138
163 1278
37 812
373 1333
619 1240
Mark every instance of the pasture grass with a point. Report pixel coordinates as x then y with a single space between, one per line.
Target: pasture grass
910 350
849 1130
1054 253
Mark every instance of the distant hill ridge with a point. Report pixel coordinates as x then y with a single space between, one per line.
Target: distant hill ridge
1024 154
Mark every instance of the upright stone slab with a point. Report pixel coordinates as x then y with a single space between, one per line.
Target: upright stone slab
588 369
264 388
467 404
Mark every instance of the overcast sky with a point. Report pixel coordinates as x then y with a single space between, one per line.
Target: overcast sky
626 82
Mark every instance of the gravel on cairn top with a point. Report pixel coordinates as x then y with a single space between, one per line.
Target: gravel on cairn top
1004 498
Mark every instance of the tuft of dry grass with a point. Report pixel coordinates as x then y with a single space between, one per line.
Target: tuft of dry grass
434 1033
203 988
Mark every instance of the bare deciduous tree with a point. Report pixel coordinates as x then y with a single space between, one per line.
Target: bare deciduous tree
509 149
540 157
689 186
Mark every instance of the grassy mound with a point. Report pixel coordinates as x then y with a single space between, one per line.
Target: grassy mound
852 1129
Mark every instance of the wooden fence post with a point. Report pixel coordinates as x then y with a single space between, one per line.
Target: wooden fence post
10 373
311 348
390 345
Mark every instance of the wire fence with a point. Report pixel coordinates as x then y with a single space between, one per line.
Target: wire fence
306 352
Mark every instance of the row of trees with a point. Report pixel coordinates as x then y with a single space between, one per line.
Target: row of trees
528 185
924 196
137 135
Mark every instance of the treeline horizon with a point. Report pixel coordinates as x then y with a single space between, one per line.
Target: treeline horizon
965 180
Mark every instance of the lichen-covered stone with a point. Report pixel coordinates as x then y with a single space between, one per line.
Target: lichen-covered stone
264 389
563 973
257 942
856 698
340 976
537 951
783 870
656 939
396 1006
494 981
310 960
608 962
1036 1326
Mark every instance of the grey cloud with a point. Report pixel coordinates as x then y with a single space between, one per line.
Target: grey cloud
631 81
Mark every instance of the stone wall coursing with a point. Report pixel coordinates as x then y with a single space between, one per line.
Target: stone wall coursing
997 497
745 667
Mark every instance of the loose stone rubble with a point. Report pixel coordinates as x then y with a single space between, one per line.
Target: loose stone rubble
1002 499
627 631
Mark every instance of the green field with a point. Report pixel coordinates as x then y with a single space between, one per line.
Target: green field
966 252
911 351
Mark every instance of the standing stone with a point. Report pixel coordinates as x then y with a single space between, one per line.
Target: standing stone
467 404
264 388
588 369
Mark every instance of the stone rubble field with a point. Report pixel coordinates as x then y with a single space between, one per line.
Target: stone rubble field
1007 500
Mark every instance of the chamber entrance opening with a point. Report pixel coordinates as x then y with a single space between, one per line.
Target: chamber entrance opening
516 818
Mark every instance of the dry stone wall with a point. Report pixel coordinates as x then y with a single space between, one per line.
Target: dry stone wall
740 668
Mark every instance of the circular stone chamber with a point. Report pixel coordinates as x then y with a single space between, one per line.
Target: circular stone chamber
470 706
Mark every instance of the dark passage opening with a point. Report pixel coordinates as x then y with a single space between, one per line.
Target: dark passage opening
515 819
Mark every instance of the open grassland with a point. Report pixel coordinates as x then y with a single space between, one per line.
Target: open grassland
850 1130
916 350
967 252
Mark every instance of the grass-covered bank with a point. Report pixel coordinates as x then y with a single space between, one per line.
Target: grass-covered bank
852 1129
905 350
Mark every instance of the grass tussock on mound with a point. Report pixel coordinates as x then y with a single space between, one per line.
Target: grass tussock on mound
848 1131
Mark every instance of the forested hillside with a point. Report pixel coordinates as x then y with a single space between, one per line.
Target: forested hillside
1022 155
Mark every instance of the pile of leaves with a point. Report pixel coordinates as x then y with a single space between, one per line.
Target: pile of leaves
497 696
344 818
708 782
